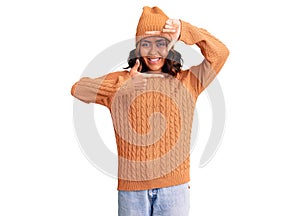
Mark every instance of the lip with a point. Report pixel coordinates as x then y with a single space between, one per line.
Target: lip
154 60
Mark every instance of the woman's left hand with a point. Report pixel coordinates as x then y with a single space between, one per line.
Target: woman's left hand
171 29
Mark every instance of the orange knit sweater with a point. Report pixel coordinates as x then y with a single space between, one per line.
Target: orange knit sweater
153 126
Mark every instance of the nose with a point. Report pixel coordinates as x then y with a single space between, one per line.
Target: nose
153 50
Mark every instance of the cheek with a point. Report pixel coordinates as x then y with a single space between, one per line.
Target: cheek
164 53
143 52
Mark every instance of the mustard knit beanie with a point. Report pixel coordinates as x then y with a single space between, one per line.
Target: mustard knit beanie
152 19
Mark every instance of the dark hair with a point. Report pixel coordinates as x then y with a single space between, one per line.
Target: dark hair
172 64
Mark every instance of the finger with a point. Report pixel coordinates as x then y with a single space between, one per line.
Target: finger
169 26
169 21
134 69
173 22
152 32
169 30
140 86
153 75
136 65
140 81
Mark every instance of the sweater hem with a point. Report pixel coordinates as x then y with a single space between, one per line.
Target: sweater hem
166 181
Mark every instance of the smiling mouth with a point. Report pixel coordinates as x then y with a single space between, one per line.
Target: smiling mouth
154 60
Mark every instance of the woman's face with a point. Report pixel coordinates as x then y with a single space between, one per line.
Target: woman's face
154 50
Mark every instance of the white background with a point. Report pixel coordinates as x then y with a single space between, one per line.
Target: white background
46 45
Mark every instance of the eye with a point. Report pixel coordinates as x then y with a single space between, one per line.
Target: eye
145 44
161 44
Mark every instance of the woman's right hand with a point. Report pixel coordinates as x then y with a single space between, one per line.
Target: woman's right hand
138 80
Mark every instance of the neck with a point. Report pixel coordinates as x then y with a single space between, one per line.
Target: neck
155 72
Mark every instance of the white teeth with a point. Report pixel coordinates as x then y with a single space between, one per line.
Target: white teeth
153 59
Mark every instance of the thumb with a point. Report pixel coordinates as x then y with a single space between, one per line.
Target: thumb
134 69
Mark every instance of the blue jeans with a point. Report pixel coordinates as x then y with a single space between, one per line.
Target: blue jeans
169 201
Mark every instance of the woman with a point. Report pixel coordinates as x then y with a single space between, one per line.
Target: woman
152 108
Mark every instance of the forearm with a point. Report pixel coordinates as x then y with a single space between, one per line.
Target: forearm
213 50
95 90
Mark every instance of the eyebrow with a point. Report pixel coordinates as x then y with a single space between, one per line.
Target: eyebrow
159 40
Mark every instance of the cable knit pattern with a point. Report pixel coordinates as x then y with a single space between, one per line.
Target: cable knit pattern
153 126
